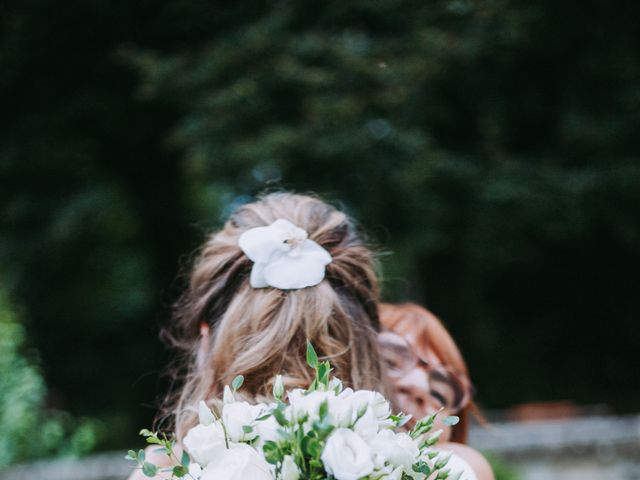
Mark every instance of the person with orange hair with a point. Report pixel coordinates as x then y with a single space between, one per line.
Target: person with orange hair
428 372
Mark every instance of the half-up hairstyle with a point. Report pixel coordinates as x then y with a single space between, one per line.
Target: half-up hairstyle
258 332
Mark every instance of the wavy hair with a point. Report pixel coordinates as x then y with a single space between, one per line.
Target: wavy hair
431 334
258 332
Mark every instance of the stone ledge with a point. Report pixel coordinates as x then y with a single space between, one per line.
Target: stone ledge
577 436
104 466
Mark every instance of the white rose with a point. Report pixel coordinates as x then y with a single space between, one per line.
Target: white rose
238 415
205 442
290 470
399 449
266 429
361 399
367 425
240 462
309 403
346 456
340 412
347 392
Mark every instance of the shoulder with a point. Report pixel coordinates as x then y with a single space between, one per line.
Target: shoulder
475 459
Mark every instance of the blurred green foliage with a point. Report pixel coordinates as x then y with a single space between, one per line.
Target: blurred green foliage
27 429
489 146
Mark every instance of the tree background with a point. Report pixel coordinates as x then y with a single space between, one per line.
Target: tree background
489 147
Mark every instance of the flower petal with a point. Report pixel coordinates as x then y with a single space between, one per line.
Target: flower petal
311 249
287 272
257 279
204 414
259 243
285 226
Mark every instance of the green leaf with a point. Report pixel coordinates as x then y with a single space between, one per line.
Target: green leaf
323 373
149 469
401 419
451 420
324 410
280 418
132 455
302 419
141 456
443 474
185 460
179 471
272 452
312 356
442 461
311 447
247 428
422 467
433 439
237 382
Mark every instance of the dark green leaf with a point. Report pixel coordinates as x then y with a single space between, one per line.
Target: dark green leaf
179 471
422 467
280 418
272 452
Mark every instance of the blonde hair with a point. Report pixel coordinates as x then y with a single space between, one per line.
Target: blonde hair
260 332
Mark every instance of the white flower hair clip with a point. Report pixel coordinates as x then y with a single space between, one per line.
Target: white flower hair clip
283 256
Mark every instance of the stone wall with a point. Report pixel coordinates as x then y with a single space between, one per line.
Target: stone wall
592 448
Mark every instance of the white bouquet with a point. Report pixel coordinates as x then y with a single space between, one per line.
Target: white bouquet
323 432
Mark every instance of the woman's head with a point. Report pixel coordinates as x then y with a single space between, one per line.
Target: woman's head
258 332
425 365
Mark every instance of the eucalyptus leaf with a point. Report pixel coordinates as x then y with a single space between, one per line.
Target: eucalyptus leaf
451 420
237 382
149 469
179 471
